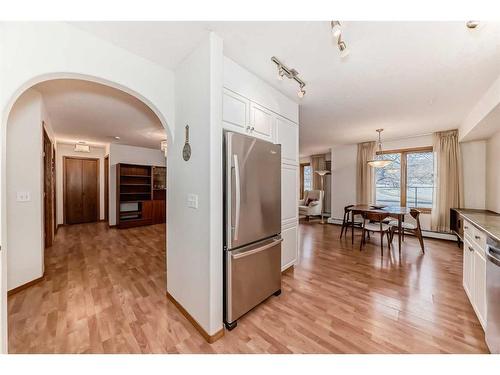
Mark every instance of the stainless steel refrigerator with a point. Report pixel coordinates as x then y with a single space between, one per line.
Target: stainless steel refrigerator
252 224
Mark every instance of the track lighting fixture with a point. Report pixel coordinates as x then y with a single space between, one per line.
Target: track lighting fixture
290 73
337 34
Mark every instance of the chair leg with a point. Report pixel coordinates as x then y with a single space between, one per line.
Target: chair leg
421 240
342 230
388 240
352 232
361 242
381 243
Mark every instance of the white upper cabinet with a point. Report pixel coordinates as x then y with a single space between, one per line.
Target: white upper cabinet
261 122
287 134
235 111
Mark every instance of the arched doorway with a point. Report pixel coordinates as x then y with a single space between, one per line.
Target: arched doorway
15 97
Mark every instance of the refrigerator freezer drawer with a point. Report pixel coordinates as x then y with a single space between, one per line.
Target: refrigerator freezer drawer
253 273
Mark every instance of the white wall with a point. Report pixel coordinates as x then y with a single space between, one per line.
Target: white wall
194 249
25 174
343 178
68 150
344 173
474 173
131 155
493 173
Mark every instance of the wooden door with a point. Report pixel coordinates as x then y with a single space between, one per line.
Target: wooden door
106 188
81 190
48 213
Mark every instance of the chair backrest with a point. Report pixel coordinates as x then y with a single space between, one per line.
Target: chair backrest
346 208
314 194
416 215
375 215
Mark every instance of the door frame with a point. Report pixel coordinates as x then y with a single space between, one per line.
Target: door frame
98 215
106 188
48 199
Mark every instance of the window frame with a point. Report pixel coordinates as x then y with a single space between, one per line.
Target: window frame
404 176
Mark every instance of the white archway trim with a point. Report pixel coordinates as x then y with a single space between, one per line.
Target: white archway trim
35 52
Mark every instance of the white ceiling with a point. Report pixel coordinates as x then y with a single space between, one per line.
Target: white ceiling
87 111
409 78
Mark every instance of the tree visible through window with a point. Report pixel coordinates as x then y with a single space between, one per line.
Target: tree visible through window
411 189
308 177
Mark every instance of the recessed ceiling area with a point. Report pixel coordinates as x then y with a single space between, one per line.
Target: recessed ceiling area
87 111
409 78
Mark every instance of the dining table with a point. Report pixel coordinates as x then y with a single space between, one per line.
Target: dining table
396 212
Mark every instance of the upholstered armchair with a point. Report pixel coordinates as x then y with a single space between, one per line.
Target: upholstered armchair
312 204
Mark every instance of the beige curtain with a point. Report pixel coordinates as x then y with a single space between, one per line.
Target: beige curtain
317 164
365 178
448 190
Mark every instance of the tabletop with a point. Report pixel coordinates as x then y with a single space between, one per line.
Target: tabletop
393 210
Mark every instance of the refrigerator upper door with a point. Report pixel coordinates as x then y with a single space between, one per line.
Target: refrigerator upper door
253 191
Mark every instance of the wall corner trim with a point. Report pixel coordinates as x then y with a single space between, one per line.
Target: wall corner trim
209 338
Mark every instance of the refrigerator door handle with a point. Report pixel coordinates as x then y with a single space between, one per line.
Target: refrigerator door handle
257 250
238 197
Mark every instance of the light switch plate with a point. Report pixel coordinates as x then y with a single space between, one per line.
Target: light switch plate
192 201
23 196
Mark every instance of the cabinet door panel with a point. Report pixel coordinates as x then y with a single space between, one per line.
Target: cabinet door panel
287 135
289 193
261 120
468 268
289 247
480 286
235 110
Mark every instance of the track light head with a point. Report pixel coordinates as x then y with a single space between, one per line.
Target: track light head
343 49
301 93
281 74
336 28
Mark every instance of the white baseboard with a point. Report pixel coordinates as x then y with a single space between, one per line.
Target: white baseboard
425 233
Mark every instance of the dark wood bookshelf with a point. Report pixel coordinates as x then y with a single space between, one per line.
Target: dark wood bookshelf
137 202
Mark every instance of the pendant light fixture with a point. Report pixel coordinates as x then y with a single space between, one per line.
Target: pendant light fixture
379 163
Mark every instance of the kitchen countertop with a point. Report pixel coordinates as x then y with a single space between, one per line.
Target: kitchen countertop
487 221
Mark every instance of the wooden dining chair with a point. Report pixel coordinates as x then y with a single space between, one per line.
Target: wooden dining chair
411 228
350 220
373 222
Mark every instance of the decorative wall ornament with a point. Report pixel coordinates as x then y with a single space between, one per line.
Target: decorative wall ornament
186 150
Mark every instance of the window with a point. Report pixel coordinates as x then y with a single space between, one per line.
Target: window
408 180
306 181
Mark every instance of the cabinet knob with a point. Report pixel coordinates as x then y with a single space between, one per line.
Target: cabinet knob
471 249
477 237
466 227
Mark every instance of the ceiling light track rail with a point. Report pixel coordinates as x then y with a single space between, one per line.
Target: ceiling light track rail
290 73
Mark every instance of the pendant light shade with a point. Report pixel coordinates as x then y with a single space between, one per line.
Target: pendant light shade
379 163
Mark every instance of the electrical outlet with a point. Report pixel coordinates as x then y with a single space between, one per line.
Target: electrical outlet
192 201
23 196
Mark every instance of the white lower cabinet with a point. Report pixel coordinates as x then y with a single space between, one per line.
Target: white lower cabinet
289 246
474 271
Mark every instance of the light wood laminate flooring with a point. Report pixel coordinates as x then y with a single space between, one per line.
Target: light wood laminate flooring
104 292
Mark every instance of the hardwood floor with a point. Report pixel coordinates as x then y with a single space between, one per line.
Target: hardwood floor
104 292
